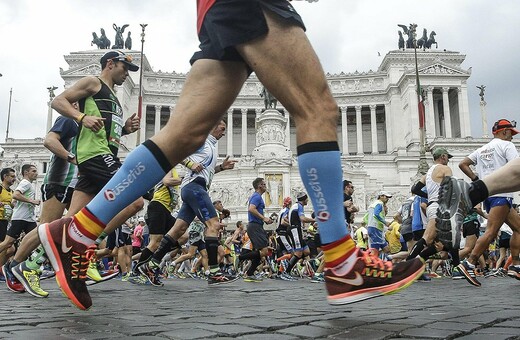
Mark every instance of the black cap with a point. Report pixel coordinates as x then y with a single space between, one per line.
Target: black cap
119 56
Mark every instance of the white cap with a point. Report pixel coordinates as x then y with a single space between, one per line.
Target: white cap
140 219
384 193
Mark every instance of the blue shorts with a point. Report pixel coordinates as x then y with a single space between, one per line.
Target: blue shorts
196 202
491 202
376 239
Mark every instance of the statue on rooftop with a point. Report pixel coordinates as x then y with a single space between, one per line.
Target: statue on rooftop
119 43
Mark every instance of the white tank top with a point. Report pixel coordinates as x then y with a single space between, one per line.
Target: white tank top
431 186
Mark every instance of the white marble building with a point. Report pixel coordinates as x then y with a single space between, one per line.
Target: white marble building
377 126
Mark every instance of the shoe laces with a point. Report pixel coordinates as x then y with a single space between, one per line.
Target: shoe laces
33 278
90 253
79 266
372 260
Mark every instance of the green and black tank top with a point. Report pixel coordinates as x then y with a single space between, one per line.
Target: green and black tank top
106 141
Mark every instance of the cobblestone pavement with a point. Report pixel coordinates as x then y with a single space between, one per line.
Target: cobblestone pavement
273 309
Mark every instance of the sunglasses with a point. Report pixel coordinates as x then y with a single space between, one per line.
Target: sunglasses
126 58
505 126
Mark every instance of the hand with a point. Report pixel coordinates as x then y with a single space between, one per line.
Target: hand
93 123
267 220
228 164
132 123
196 167
36 202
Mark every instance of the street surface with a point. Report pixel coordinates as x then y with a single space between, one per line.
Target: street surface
273 309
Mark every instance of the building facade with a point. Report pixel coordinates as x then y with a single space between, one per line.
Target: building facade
378 125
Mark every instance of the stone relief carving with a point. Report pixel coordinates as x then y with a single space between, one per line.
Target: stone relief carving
437 69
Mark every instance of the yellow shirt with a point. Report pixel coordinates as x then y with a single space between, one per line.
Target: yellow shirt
394 237
360 240
6 197
167 196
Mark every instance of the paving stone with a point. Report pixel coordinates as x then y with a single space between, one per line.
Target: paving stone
457 326
499 330
484 337
188 333
430 333
361 335
308 331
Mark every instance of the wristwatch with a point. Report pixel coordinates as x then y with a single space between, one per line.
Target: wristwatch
70 157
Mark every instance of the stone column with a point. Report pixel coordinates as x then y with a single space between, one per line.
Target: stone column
258 112
229 132
389 130
373 129
288 130
463 119
467 118
157 124
344 135
430 113
172 110
359 130
446 108
244 131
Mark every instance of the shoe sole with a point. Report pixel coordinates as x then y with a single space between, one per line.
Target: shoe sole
513 274
446 218
471 280
61 280
369 293
90 281
28 288
222 282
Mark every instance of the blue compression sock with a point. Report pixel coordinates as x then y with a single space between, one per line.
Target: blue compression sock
143 168
320 170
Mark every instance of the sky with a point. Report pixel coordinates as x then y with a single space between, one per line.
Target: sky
346 34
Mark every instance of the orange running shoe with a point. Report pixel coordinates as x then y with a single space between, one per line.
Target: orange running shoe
69 260
366 276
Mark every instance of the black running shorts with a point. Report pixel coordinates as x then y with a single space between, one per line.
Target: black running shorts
158 219
19 226
229 23
96 172
257 235
62 193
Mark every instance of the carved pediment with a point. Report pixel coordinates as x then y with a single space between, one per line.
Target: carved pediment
441 69
274 162
86 70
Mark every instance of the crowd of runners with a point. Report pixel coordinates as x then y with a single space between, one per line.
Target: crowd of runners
238 38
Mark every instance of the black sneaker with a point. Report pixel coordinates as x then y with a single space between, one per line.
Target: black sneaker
220 278
469 273
454 205
150 270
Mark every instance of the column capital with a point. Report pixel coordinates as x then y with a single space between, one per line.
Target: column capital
343 108
459 90
230 110
258 111
373 107
172 108
445 89
244 111
158 107
358 108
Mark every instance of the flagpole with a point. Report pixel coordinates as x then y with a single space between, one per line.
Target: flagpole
422 167
8 115
140 105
